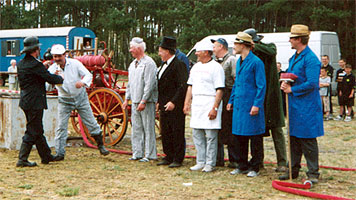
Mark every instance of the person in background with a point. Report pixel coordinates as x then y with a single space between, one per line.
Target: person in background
340 73
205 90
246 101
330 72
324 83
12 77
142 91
346 94
72 95
172 85
32 76
228 63
305 110
182 57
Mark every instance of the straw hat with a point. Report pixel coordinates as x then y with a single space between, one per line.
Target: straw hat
242 37
298 30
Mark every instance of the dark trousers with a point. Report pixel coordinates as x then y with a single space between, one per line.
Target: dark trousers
232 149
172 131
256 152
225 134
308 147
34 133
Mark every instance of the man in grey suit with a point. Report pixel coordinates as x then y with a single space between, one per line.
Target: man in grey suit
142 91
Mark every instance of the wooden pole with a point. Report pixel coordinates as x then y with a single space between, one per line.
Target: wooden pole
289 145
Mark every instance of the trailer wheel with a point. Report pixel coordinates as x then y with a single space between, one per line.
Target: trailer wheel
112 119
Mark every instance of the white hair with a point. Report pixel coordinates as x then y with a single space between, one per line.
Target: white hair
12 61
138 42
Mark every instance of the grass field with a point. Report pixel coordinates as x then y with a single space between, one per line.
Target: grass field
84 174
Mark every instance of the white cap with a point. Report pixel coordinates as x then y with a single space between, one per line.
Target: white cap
204 46
58 49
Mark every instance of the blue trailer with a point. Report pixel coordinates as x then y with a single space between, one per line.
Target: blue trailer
11 41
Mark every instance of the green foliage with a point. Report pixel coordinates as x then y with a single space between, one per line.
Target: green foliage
117 21
26 186
69 192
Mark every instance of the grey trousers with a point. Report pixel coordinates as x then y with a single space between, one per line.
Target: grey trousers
65 107
143 136
206 144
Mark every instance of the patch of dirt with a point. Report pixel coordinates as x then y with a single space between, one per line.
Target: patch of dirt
84 174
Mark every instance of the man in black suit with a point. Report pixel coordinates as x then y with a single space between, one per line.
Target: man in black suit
172 78
32 75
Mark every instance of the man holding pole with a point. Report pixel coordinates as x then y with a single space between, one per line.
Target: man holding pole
305 111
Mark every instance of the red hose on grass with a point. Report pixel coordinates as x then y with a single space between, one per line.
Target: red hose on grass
279 185
284 186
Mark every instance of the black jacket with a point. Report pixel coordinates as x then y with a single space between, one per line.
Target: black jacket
32 75
329 70
172 85
348 83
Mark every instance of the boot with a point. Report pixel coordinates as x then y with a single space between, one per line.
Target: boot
43 150
25 151
99 141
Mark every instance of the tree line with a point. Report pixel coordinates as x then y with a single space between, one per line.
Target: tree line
117 21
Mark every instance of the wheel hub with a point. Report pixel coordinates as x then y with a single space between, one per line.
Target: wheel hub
102 117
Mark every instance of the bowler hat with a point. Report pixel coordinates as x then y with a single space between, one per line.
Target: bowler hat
30 43
169 43
298 30
242 37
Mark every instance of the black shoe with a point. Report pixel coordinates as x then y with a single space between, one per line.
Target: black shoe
286 176
220 164
21 163
314 180
175 164
58 158
50 159
101 147
164 162
103 150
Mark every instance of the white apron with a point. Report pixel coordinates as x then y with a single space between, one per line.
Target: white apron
201 106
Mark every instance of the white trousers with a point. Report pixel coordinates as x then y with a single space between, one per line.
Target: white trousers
143 136
206 144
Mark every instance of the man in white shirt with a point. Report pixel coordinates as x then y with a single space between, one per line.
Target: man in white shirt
12 77
205 90
72 95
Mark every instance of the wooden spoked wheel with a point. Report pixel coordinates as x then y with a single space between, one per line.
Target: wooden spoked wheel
107 109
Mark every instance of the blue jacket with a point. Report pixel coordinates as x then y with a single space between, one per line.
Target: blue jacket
249 90
305 110
182 57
